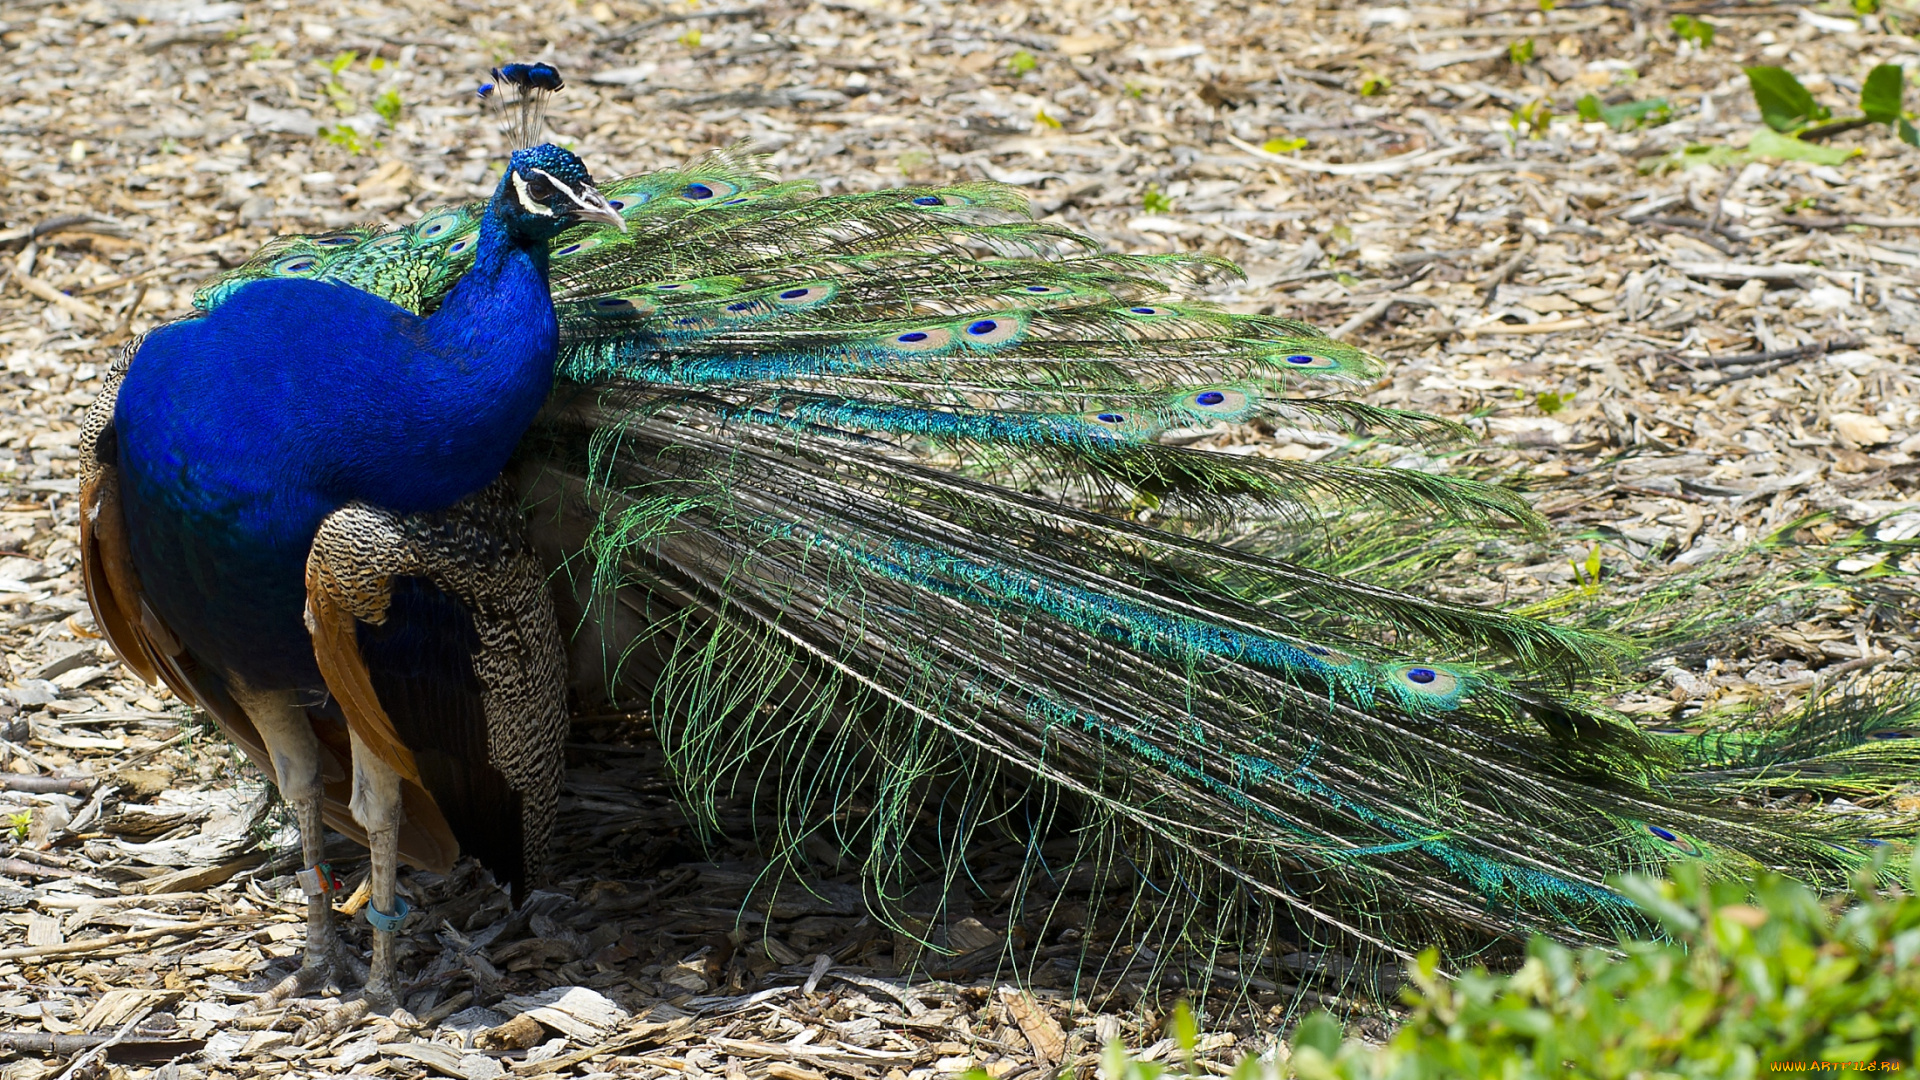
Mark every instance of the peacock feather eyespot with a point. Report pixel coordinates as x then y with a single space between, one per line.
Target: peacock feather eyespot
928 339
745 309
1425 685
1111 425
1215 403
992 332
928 200
336 241
1684 844
619 307
577 247
1884 736
804 296
1142 309
298 266
460 246
437 226
708 191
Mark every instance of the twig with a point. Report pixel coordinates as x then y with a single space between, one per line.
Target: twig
1492 282
1828 131
1801 352
95 1054
23 868
47 785
1366 317
34 286
1704 232
135 1049
54 225
76 948
1874 221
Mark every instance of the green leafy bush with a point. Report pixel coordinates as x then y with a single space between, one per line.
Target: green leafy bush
1757 978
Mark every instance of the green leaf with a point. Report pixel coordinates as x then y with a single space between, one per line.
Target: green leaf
1283 146
1907 133
1521 52
1784 103
1319 1031
1022 62
388 106
1767 143
1881 94
1688 28
1155 201
1626 114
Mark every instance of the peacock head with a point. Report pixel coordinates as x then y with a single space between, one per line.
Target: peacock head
546 190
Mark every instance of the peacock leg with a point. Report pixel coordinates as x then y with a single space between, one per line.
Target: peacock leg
295 754
376 806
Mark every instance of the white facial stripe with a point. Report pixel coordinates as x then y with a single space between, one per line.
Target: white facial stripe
527 202
565 188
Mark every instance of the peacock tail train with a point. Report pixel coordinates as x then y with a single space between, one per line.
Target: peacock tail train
868 494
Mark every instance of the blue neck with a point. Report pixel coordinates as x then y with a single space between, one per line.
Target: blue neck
495 300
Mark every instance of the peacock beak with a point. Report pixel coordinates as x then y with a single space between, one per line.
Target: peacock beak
590 205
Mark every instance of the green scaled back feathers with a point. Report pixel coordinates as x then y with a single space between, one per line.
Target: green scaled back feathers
872 495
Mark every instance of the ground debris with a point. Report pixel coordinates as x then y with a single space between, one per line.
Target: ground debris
1674 364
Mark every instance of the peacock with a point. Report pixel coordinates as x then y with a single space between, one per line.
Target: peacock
882 493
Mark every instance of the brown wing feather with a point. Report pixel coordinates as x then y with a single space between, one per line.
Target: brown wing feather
337 649
107 574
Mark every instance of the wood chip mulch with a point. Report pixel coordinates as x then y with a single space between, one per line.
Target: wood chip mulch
1676 363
